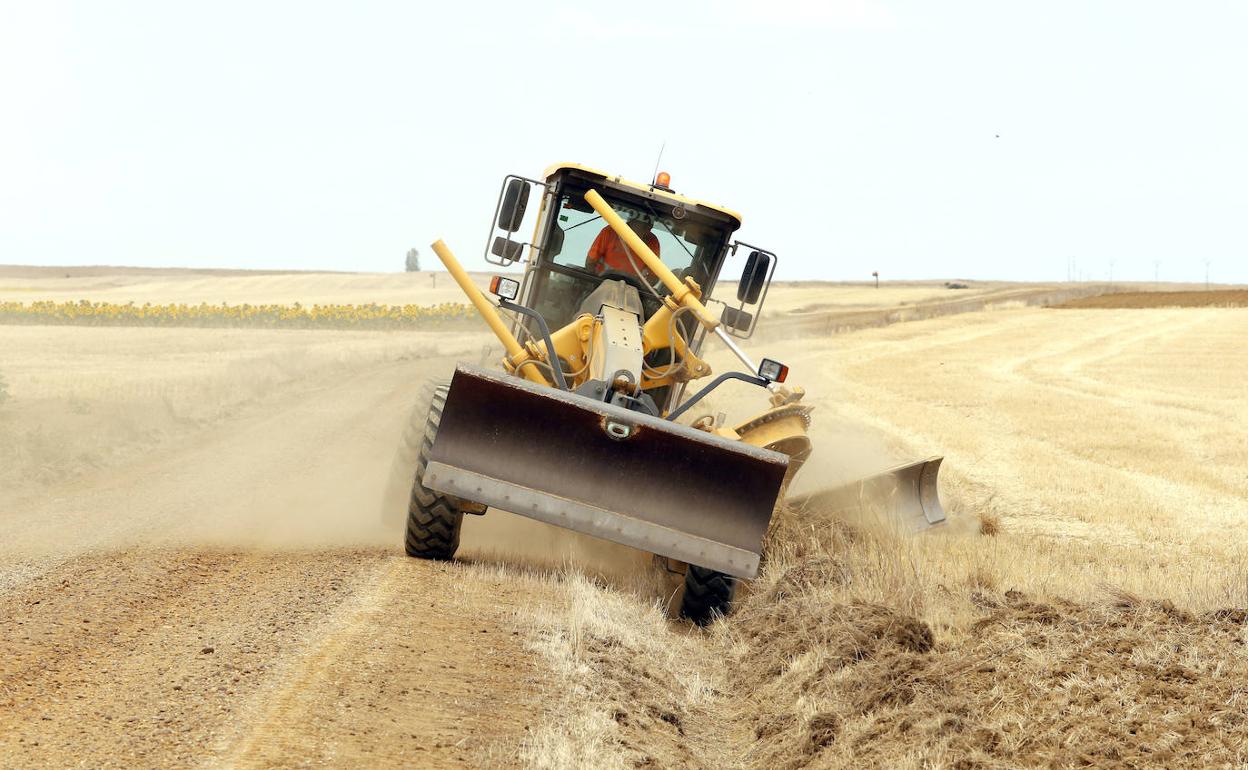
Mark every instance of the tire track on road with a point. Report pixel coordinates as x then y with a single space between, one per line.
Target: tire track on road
420 671
143 658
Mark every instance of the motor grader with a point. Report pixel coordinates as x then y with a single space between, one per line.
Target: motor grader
581 425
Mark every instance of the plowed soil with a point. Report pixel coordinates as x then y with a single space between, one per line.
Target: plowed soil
1146 299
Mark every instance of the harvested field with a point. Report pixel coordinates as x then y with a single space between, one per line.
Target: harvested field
1147 299
830 663
1081 609
366 316
159 287
197 569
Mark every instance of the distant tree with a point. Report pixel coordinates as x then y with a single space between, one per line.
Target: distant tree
413 261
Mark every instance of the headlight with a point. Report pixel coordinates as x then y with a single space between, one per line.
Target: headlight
772 371
506 288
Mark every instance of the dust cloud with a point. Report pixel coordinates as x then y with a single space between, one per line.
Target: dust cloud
502 537
843 452
292 463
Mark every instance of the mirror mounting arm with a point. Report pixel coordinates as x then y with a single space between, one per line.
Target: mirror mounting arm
752 288
509 210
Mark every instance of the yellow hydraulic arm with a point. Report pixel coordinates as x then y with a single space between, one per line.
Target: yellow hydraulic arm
685 293
515 351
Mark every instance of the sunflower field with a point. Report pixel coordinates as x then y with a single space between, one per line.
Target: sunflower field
296 316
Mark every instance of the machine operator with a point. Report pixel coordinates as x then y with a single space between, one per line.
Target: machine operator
609 254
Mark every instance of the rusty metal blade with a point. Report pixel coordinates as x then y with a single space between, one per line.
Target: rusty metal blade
907 494
547 454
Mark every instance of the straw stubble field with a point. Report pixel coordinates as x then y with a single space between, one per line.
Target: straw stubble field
196 571
1083 608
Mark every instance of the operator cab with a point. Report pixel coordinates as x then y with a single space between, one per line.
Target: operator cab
574 251
690 242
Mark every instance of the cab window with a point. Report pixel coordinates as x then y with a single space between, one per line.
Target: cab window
680 242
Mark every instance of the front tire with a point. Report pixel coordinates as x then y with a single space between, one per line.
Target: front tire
708 595
433 519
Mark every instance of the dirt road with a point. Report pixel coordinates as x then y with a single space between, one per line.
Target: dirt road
235 601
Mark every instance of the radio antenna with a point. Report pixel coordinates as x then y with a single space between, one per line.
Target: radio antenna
657 161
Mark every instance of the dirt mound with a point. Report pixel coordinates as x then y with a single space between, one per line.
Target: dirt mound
828 680
1147 299
837 657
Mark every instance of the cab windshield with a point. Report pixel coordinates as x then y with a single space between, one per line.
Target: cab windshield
581 250
585 241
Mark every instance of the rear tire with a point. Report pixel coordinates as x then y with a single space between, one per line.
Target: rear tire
708 595
433 519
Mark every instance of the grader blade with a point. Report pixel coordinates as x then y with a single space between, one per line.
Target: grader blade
906 495
620 475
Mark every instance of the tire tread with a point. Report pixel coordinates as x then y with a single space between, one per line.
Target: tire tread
708 595
433 519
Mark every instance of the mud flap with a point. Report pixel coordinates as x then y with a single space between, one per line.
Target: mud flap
907 495
624 476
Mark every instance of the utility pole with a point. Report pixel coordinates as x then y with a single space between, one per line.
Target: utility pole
876 274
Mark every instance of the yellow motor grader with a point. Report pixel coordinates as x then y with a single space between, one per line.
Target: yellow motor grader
579 427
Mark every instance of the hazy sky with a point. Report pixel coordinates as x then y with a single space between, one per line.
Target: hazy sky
977 139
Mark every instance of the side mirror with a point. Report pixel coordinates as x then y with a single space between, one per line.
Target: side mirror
737 320
507 250
515 201
754 277
554 242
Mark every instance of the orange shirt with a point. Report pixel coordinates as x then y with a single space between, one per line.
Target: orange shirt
608 252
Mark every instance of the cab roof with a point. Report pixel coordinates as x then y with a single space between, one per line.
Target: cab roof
645 188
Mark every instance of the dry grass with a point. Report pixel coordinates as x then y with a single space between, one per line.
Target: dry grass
1152 299
656 706
815 297
857 647
1083 608
1118 432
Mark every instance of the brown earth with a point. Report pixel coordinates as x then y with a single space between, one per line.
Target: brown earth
1147 299
169 658
236 601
